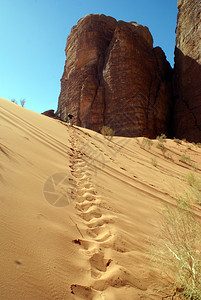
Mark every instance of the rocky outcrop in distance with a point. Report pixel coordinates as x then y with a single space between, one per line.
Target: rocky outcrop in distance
49 113
113 76
187 74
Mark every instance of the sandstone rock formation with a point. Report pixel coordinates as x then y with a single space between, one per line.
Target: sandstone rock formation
187 77
113 76
49 113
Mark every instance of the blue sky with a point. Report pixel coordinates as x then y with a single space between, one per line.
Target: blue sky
33 37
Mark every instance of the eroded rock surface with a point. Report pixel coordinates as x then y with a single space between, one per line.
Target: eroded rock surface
113 76
49 113
187 78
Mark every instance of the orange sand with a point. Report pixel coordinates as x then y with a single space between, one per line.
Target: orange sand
76 210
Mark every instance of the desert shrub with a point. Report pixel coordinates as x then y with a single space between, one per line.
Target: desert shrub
154 161
177 251
195 187
195 195
14 101
162 147
107 132
187 160
184 140
193 181
177 141
22 102
138 142
161 140
145 143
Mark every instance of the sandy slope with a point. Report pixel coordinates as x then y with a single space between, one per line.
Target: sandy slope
76 210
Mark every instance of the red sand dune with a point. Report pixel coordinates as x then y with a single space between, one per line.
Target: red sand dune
77 210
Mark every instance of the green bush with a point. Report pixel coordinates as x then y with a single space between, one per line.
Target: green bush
195 187
145 143
193 181
187 160
107 132
178 249
161 140
162 147
154 162
177 141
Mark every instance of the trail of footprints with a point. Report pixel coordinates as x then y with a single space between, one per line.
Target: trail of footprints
98 236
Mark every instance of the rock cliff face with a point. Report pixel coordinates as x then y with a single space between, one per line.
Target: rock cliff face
113 76
187 77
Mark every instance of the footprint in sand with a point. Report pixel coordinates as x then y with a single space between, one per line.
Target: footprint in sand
80 169
89 204
117 277
80 175
103 237
86 196
101 221
87 245
95 232
84 190
92 213
81 164
83 184
98 264
85 205
83 292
